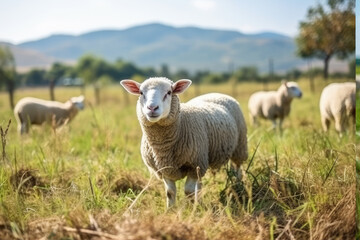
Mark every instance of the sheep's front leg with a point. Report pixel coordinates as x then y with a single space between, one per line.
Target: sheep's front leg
170 189
280 125
23 128
273 124
237 170
192 187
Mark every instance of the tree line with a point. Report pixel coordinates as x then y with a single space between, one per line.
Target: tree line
97 72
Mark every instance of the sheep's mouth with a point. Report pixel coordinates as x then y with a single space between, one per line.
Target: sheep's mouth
152 117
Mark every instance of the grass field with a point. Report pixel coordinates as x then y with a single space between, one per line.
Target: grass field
87 180
357 165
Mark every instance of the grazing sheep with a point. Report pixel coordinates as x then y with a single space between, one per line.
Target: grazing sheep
184 140
37 111
273 105
337 102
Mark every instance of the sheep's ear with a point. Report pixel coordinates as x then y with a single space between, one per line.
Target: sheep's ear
180 86
81 98
284 82
131 86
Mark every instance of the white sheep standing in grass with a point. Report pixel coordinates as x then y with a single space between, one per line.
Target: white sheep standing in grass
337 102
184 140
273 105
31 110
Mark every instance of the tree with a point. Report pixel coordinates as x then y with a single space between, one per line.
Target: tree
247 73
293 74
214 78
149 72
197 79
35 77
91 68
164 71
181 74
126 70
87 68
328 32
8 72
56 72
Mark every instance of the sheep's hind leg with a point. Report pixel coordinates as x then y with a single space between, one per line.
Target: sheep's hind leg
170 189
273 127
192 187
23 128
19 128
239 156
325 123
236 168
339 125
253 120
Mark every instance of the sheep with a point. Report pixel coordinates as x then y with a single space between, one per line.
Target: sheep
273 105
185 139
337 102
37 111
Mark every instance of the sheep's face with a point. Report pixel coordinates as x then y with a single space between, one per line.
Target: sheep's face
293 90
155 100
78 102
155 95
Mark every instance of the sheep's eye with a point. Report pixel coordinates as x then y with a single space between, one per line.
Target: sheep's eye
141 93
169 92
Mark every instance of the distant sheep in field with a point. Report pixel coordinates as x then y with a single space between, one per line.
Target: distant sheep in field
184 140
273 105
37 111
337 102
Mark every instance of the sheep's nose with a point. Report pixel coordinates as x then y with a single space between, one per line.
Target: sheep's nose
300 95
152 108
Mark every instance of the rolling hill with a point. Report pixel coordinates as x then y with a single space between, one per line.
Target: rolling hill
28 58
191 48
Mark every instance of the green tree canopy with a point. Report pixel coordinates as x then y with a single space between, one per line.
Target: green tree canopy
181 74
125 70
57 71
35 77
328 31
247 73
91 69
88 68
7 66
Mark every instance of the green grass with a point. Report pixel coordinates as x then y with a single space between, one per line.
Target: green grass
357 163
89 177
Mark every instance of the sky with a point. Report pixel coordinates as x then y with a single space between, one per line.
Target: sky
24 20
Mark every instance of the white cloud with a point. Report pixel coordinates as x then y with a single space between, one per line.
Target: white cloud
204 5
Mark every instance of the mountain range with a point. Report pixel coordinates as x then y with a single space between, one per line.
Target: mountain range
152 45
